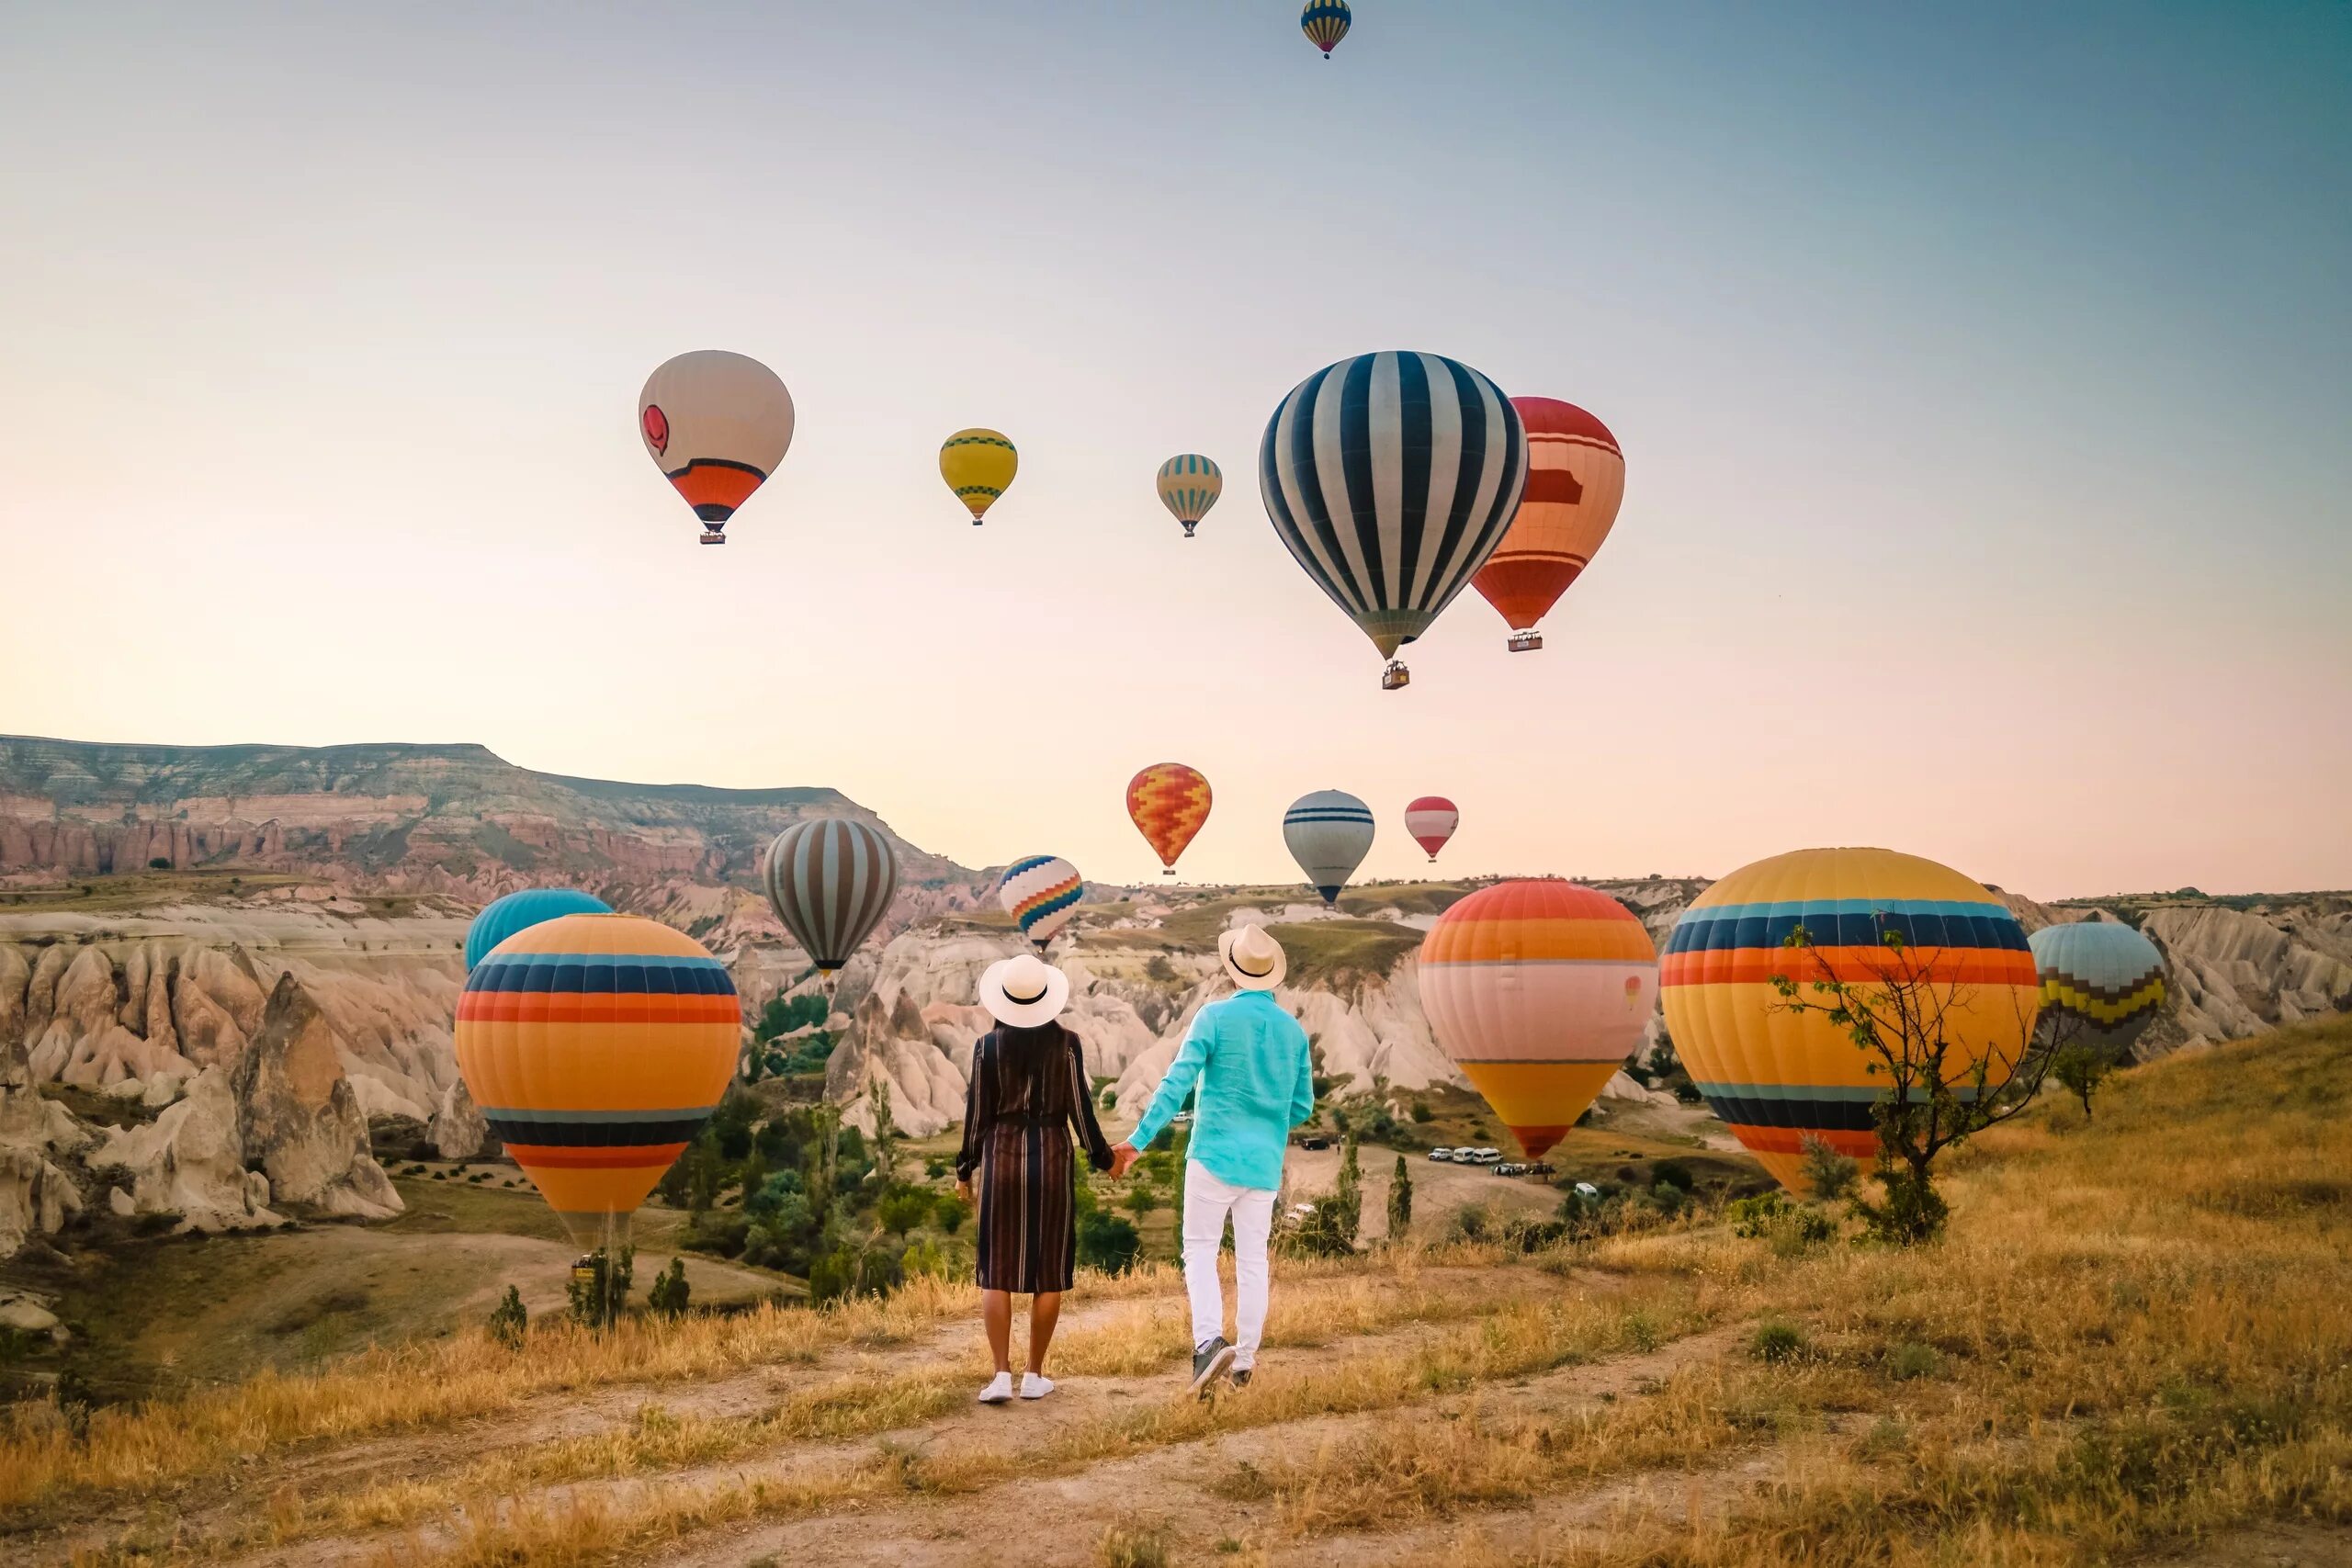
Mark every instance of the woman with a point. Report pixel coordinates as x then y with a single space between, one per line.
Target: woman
1029 1089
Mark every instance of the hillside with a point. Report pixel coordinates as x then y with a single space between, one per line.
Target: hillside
2132 1348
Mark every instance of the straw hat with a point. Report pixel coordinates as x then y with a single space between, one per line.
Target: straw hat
1253 960
1024 992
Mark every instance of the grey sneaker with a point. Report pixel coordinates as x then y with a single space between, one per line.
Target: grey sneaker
1208 1361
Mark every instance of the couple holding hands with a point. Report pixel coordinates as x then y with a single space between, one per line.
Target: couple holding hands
1031 1105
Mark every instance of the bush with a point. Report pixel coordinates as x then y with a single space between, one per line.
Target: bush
1831 1175
1107 1242
1471 1223
721 1236
1776 1342
1671 1173
903 1211
949 1212
1422 1111
929 1257
1912 1359
671 1292
160 863
509 1322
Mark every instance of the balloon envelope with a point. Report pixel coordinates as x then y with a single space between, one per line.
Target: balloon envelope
518 911
978 466
1189 486
1324 23
1778 1076
596 1047
1328 833
829 880
2102 981
717 424
1430 821
1390 478
1041 894
1539 992
1575 481
1168 802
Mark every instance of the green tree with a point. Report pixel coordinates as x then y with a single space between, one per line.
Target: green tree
885 1142
1950 1069
1400 1202
1347 1198
509 1323
903 1210
671 1292
1828 1175
600 1285
1140 1200
1107 1242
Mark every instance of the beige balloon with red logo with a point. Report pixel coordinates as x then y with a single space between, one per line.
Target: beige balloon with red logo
718 425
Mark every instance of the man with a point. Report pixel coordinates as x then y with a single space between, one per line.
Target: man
1257 1082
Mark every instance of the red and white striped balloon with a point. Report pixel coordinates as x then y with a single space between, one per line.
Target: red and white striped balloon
1430 821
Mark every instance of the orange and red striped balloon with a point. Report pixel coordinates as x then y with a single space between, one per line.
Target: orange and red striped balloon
596 1047
1575 481
1169 802
1539 991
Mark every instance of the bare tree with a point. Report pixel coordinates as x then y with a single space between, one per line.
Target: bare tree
1954 1061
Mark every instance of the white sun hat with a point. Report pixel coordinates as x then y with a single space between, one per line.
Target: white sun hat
1024 992
1253 960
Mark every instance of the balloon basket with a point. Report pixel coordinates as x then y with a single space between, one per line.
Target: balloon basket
1170 871
1395 677
1188 530
1526 642
714 537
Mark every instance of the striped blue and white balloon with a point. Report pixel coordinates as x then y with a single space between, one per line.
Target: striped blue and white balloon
1391 477
1189 486
1328 833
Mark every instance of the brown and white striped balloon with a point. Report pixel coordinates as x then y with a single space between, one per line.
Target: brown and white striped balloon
829 880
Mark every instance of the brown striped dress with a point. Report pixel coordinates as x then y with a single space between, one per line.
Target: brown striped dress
1029 1089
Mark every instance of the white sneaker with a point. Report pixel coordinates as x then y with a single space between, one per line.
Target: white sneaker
1000 1389
1035 1385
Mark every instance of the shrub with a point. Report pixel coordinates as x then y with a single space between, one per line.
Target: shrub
1132 1544
1472 1223
1777 1341
509 1323
1107 1242
671 1292
1831 1175
929 1257
903 1211
1671 1173
1912 1359
949 1212
1422 1111
160 863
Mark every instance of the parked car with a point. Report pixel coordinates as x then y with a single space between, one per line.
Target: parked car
1484 1156
1511 1167
1442 1154
1182 1118
1315 1141
1542 1167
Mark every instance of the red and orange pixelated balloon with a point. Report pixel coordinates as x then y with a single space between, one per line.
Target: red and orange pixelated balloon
1575 481
1169 802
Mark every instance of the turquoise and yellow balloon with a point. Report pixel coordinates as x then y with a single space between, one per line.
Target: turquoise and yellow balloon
2102 981
1189 486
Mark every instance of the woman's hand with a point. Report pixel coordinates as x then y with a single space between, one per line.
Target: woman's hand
963 1188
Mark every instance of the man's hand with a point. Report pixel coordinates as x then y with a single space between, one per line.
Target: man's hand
1122 1156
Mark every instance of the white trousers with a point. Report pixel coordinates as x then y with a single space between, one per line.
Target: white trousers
1207 1201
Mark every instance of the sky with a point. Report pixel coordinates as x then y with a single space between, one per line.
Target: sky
1985 377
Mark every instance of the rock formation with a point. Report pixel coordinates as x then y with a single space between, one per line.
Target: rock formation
190 1161
297 1116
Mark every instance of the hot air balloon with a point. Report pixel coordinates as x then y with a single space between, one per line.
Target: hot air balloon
829 880
1328 833
1041 892
596 1047
1539 992
1429 821
1391 477
2102 981
1324 23
978 466
1189 486
1778 1077
1169 802
1576 477
517 911
718 425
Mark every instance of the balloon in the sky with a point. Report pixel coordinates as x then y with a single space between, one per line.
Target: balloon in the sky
1328 833
596 1047
718 425
829 880
1539 992
1391 477
1778 1077
1169 802
1324 23
1041 893
2102 981
1575 479
978 466
1430 821
502 917
1189 486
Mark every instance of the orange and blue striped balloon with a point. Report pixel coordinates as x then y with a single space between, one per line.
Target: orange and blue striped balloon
1777 1076
596 1047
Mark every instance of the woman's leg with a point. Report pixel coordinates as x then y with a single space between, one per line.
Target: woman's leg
1045 1312
996 1316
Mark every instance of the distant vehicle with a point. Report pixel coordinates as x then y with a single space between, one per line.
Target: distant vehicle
1182 1118
1482 1156
1542 1167
1512 1168
1315 1141
1442 1154
1586 1190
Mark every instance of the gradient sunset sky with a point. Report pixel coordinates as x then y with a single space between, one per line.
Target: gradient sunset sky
1984 377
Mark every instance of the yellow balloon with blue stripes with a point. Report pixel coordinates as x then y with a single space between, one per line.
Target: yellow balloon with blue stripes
978 466
1189 486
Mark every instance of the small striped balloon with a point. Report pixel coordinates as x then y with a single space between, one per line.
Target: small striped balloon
1324 23
1189 486
830 881
1328 834
1041 892
2102 980
1430 821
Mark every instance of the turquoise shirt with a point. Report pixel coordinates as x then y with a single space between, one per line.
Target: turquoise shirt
1257 1082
